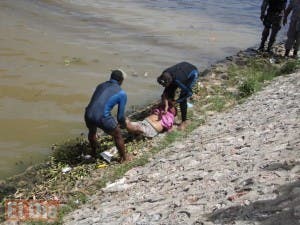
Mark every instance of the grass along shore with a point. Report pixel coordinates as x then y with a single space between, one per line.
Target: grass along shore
222 86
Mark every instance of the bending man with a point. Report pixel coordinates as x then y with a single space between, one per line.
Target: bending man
98 112
182 75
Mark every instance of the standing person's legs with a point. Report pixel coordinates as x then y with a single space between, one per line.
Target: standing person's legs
265 34
297 44
273 35
291 36
274 22
297 39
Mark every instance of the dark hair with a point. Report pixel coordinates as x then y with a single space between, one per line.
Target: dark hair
117 75
164 79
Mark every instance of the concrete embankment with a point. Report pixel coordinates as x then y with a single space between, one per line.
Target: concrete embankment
241 167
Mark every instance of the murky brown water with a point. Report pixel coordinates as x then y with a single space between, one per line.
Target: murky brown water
54 53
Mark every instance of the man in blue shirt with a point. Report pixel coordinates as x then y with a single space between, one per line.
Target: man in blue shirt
184 76
98 112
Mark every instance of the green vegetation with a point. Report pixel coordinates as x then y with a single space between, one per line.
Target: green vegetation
85 178
257 72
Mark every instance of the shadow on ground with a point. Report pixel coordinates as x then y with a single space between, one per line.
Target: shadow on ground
284 210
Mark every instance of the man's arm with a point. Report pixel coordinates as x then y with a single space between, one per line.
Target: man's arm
121 108
187 91
263 9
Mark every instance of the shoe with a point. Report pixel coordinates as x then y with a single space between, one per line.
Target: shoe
295 54
270 51
287 53
261 49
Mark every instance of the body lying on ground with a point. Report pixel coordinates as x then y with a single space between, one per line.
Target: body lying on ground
157 122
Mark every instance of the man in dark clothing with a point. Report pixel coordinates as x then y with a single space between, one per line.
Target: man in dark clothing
293 34
272 21
182 75
98 112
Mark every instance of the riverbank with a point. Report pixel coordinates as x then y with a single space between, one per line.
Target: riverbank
222 86
242 167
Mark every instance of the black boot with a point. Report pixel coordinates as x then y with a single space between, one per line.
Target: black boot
295 54
269 49
287 52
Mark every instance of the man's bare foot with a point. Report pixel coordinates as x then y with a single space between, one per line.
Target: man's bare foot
128 158
183 125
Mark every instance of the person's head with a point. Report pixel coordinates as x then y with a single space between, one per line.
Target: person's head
118 75
165 79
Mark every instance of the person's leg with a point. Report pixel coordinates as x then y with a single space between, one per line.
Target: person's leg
272 39
291 35
110 126
183 110
119 142
264 37
296 46
93 141
92 135
133 127
193 76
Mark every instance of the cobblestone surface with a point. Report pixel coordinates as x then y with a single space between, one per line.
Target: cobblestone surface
241 167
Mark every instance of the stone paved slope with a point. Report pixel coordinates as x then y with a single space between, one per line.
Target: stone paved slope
241 167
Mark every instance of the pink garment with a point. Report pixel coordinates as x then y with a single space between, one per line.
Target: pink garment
167 119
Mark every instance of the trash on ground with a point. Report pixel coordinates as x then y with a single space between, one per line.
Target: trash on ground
107 156
66 169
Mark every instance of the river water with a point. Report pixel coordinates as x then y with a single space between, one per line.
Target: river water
54 52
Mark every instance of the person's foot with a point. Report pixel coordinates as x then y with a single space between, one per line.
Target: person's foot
287 53
261 47
269 50
128 158
183 125
295 54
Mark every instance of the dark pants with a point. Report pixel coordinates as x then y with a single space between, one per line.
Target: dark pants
293 35
183 104
271 22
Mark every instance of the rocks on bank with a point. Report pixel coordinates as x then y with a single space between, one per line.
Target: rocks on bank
241 167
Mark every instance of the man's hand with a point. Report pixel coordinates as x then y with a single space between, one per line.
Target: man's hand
262 17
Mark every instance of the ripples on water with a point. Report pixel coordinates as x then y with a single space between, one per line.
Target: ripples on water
42 99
